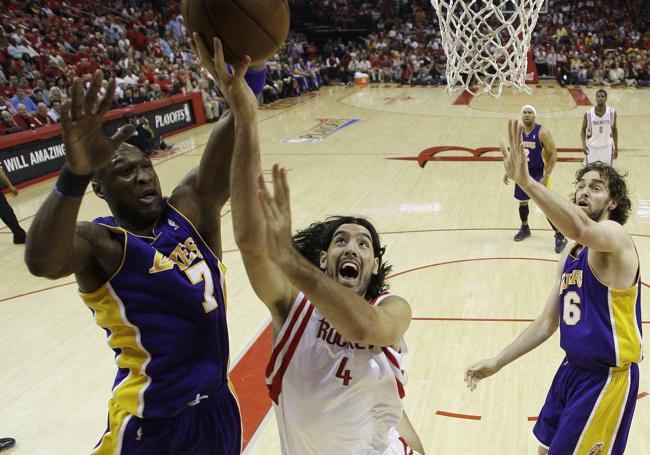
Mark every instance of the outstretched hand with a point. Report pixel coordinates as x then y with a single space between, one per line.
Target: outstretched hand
234 88
277 215
87 148
515 160
480 370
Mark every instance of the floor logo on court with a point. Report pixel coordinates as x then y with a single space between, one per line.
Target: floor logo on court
325 128
459 153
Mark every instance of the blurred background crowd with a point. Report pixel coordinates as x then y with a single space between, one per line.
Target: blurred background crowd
144 46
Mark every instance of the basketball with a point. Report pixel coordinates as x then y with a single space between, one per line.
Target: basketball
256 28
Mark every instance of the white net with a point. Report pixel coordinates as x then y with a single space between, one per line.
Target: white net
486 42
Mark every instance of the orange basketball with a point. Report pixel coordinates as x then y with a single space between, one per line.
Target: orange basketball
256 28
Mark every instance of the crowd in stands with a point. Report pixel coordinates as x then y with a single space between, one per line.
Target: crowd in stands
593 42
45 44
144 45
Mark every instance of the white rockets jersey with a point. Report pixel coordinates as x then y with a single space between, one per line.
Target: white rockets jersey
333 397
599 128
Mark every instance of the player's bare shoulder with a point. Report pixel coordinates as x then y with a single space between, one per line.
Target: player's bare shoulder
99 254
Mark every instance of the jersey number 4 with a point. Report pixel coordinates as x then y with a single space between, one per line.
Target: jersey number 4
342 373
571 313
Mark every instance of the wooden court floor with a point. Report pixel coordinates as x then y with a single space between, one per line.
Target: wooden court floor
448 228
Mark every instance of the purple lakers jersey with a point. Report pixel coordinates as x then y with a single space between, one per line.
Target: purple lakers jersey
164 312
534 149
600 327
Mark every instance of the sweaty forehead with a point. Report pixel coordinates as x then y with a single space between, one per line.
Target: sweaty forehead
127 152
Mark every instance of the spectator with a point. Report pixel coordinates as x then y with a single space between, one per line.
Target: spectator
21 98
8 124
55 111
24 119
210 105
144 137
42 114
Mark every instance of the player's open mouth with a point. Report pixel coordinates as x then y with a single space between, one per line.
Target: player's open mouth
148 196
348 273
583 203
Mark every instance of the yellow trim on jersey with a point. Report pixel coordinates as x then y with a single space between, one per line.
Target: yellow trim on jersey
222 281
606 415
110 314
111 442
625 327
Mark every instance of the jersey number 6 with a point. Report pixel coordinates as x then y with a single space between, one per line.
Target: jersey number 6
571 312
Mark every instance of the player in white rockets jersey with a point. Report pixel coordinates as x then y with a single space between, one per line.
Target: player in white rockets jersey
336 374
599 134
331 395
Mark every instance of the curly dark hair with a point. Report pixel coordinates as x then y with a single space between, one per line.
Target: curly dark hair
318 236
615 185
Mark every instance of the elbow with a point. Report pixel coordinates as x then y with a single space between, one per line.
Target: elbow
579 234
40 268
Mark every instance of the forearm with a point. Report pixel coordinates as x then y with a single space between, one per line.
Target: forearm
534 335
248 221
50 244
550 165
583 137
615 136
214 168
349 312
569 219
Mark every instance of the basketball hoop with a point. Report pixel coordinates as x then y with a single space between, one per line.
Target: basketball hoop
486 42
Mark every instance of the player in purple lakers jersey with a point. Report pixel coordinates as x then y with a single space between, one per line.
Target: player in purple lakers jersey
596 302
541 155
152 275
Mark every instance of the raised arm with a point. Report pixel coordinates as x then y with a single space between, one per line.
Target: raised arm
569 218
350 313
203 192
535 334
57 245
268 282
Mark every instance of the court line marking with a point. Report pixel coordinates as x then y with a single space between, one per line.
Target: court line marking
506 258
530 418
458 416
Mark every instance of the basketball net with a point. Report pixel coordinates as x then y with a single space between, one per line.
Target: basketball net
486 42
